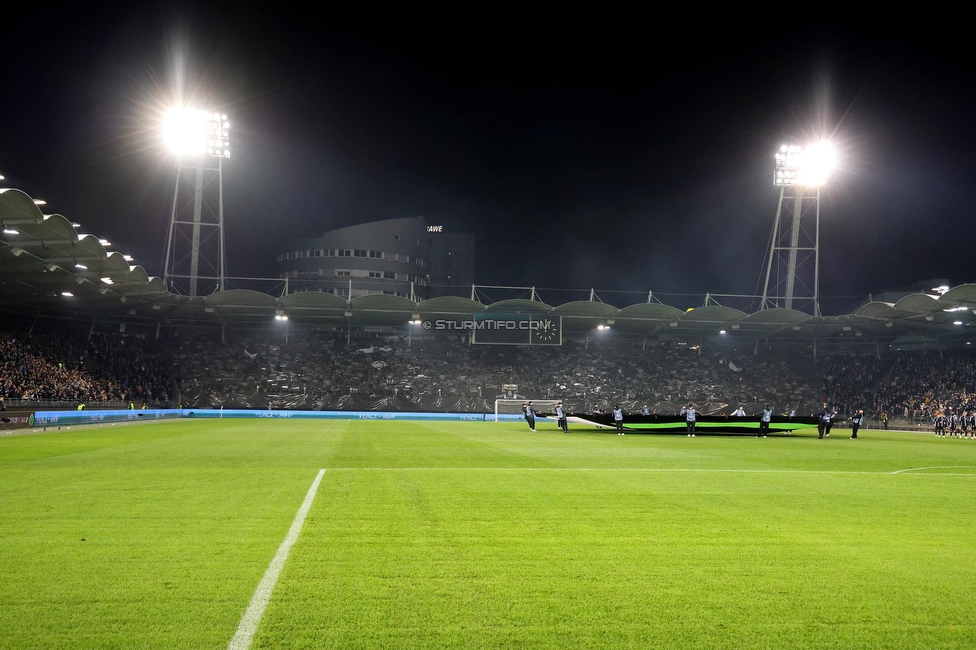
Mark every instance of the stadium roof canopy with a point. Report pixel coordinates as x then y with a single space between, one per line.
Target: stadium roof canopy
48 268
46 265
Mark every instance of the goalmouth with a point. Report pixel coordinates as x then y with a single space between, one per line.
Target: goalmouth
543 407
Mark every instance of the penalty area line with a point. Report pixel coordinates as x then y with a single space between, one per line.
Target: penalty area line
262 595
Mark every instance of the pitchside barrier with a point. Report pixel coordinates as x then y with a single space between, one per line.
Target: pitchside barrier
637 423
62 418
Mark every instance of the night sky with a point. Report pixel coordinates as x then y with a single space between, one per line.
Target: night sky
599 153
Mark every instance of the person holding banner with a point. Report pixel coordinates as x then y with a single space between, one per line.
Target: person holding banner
690 417
856 421
561 418
529 414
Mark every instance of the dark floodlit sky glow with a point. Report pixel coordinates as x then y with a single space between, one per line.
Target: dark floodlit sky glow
595 157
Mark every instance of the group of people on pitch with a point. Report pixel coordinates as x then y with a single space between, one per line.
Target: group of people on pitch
957 426
689 411
826 421
528 412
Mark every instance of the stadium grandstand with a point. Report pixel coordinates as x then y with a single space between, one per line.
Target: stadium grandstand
82 323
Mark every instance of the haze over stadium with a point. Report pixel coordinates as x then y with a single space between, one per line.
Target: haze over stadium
615 163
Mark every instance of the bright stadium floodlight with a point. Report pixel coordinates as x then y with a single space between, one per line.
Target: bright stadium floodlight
193 255
809 166
188 132
799 172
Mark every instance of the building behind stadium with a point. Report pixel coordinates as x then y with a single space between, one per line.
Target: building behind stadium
401 257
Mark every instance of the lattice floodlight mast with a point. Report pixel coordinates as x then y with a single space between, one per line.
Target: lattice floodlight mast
793 266
194 262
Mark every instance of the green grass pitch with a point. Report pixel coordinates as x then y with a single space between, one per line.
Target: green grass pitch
484 535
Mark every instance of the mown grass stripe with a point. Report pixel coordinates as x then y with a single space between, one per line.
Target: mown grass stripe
262 595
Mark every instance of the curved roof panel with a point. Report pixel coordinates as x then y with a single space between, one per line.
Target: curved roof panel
450 305
711 315
382 302
308 300
137 276
381 310
155 284
653 311
17 207
582 315
115 262
777 316
962 293
876 310
645 318
769 322
519 306
585 309
920 302
241 299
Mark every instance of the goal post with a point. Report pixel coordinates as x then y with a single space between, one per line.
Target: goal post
514 406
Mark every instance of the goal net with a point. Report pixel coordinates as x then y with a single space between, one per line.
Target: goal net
514 406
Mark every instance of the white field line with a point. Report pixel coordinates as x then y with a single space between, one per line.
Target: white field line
259 601
920 469
647 469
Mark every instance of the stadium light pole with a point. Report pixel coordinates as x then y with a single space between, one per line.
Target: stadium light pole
800 172
200 141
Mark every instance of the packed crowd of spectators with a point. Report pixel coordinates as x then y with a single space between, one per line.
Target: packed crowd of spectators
913 386
917 386
325 370
69 366
848 380
317 370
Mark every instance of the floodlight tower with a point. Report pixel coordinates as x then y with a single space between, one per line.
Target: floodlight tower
200 140
793 267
